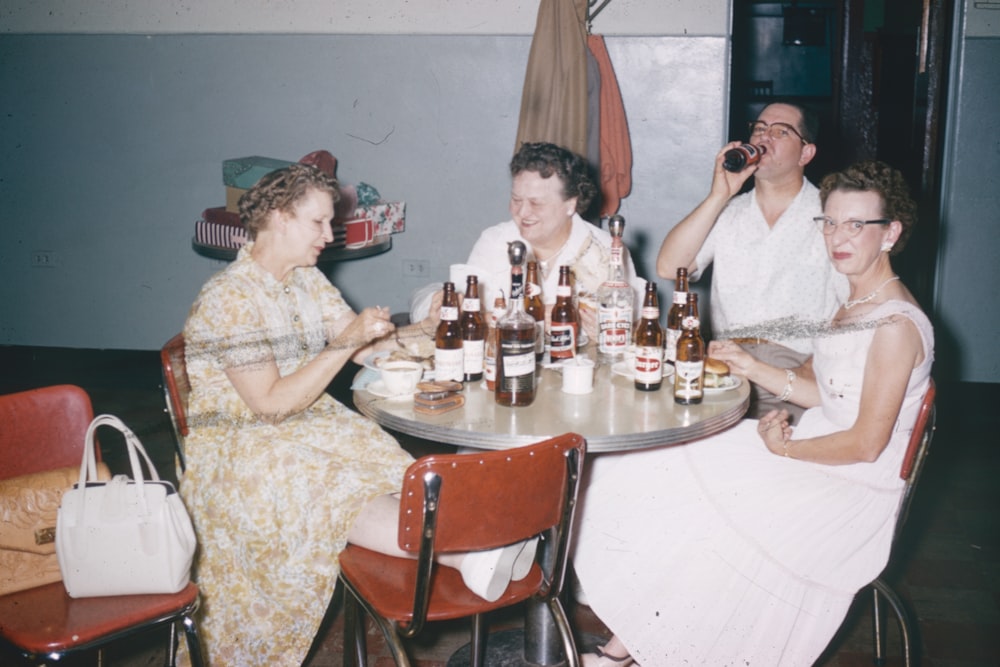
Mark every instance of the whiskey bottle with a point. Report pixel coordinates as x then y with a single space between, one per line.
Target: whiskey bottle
473 327
515 383
689 369
564 329
676 313
615 301
533 306
448 357
649 343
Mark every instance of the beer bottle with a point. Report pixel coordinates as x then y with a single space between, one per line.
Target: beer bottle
689 369
649 343
615 301
564 329
533 306
515 383
741 157
448 357
676 313
492 345
473 327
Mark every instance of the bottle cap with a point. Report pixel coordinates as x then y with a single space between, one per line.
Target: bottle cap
516 252
616 225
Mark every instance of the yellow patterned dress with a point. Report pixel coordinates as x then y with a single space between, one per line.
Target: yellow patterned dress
271 503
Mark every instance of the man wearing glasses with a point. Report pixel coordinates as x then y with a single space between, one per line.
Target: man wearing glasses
769 260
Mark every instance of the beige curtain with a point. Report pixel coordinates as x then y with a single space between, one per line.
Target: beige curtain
554 99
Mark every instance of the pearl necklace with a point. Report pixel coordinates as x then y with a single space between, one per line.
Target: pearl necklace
865 299
543 264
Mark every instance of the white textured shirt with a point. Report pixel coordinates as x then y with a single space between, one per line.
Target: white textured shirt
587 252
763 273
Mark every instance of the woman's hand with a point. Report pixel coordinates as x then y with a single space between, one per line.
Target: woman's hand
369 325
775 431
740 361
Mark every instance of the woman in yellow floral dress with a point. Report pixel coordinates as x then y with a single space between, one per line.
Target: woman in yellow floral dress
279 474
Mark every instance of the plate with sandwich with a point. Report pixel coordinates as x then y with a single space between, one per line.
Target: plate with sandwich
717 377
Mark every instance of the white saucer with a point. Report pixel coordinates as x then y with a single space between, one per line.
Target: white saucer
731 382
378 388
626 369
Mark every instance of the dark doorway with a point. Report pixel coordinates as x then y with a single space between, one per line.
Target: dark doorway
874 72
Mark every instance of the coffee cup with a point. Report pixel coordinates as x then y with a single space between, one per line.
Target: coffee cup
401 377
578 376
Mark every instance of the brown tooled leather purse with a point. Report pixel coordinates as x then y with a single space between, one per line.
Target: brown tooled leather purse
28 508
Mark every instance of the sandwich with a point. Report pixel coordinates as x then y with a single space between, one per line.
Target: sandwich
716 373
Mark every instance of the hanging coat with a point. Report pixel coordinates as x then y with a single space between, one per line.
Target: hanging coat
554 99
615 144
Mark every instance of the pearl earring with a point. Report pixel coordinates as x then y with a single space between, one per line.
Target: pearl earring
886 246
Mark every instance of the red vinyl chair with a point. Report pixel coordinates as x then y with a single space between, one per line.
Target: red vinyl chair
176 391
913 463
467 502
40 430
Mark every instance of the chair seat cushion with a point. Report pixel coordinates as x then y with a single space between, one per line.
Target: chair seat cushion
46 620
387 583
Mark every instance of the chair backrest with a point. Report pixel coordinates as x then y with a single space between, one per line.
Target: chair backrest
484 500
42 429
176 389
917 450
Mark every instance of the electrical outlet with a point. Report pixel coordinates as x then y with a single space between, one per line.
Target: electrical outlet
44 259
416 268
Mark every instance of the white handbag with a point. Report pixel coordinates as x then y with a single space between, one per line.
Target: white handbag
123 536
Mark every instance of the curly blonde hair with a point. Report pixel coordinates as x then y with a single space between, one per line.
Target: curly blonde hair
281 190
887 182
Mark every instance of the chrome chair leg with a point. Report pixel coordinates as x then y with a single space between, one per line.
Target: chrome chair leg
477 647
881 590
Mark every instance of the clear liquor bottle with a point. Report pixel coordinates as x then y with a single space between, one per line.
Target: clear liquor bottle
615 301
515 383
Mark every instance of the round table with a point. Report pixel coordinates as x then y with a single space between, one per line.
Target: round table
614 417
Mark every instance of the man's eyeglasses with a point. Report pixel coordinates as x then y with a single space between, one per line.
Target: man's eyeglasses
851 227
759 128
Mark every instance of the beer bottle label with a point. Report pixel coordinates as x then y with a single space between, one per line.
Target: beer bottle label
648 364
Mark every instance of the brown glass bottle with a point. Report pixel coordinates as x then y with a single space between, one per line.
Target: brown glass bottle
564 329
515 383
473 326
689 369
533 306
490 361
649 343
448 358
741 157
676 313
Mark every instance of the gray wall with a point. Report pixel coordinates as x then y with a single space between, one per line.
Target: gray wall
113 145
968 273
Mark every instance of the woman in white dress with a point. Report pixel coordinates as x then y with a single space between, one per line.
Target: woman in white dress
747 548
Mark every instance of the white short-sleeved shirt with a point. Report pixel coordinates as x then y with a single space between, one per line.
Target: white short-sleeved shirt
588 252
764 273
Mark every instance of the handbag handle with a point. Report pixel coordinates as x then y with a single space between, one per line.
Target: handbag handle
88 466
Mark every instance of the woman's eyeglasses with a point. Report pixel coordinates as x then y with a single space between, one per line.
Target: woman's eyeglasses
851 227
759 128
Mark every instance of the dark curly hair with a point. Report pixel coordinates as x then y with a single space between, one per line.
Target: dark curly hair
888 183
280 191
547 159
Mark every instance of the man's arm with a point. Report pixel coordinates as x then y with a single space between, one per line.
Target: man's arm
682 243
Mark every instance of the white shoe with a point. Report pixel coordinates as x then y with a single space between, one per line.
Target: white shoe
488 573
602 659
525 559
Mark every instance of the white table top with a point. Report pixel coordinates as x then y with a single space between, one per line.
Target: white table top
614 417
